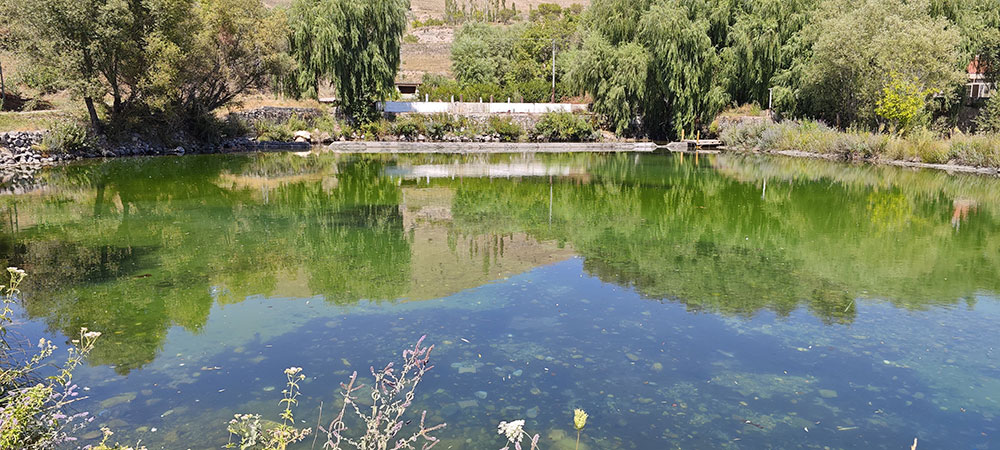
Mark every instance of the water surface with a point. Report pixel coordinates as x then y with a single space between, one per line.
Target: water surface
710 302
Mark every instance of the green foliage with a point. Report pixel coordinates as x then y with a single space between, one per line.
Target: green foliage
902 103
409 126
352 43
988 120
457 12
855 45
69 137
505 127
564 127
517 58
655 60
429 22
374 130
162 59
267 131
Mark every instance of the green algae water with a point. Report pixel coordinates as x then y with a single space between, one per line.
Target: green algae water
683 302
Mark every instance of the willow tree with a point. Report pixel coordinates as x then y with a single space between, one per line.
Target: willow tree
354 44
653 65
761 44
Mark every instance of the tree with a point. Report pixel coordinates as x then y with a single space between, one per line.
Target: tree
658 60
856 46
760 45
239 46
151 57
352 43
902 102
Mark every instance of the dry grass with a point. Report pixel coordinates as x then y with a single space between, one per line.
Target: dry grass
36 120
919 146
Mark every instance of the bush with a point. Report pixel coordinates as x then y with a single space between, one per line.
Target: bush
564 127
430 22
409 127
267 131
373 131
68 137
534 91
988 120
505 127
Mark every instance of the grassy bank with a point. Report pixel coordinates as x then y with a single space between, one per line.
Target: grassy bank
921 145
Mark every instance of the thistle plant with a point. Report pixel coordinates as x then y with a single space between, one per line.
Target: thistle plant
32 407
392 393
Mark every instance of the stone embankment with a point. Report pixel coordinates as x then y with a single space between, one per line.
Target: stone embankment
277 114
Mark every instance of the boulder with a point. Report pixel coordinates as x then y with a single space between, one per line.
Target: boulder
303 136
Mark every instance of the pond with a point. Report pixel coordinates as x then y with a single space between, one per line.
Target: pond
683 302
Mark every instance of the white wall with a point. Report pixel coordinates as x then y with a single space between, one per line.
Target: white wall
480 108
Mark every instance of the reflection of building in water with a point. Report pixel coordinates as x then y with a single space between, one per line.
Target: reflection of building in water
961 208
445 261
525 168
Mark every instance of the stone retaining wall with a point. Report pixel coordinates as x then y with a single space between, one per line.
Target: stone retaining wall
278 114
20 141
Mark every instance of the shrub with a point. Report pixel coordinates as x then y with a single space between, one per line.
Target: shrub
327 123
564 127
375 130
988 120
505 127
267 131
409 127
68 137
534 91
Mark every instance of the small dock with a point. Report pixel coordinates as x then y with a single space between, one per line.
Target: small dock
695 145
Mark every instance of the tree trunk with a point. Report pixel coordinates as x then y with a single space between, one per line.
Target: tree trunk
92 111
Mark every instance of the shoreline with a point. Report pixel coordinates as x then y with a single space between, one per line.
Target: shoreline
388 147
951 168
9 171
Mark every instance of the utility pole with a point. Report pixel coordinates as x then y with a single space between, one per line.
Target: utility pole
553 71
